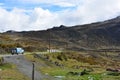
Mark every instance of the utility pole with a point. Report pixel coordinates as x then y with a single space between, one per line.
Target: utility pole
33 71
49 41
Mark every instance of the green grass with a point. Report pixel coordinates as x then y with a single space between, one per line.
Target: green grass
10 72
64 72
108 77
55 71
85 77
6 66
98 73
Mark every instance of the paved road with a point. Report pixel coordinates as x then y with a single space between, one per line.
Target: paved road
25 66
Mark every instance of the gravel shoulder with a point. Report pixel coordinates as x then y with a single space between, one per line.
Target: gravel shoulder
25 67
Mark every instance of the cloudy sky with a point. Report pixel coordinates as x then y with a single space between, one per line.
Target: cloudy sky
24 15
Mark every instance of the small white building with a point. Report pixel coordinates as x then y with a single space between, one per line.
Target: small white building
54 50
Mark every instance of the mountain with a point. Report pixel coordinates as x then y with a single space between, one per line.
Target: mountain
100 35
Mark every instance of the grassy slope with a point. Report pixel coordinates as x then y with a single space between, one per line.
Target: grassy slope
9 72
101 35
99 71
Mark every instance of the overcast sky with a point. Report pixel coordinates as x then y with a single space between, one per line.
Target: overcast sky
24 15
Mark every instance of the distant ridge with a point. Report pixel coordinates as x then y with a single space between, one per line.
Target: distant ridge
100 35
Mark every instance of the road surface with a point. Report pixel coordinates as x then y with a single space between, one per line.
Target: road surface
25 67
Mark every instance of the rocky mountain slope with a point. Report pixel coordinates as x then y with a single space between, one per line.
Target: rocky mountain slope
100 35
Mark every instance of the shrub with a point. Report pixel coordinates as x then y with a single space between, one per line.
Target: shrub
113 73
62 57
1 60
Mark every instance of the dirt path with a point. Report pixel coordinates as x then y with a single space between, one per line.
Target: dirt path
25 67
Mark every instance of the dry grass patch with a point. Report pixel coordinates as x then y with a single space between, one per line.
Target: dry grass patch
9 72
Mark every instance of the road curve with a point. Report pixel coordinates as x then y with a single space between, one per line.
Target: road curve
25 67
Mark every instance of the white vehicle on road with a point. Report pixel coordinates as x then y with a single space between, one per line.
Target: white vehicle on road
17 51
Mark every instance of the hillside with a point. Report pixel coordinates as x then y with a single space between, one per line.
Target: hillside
100 35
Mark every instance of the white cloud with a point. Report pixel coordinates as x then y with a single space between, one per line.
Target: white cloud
86 11
93 11
43 19
17 19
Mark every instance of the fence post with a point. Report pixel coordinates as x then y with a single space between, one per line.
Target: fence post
33 71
